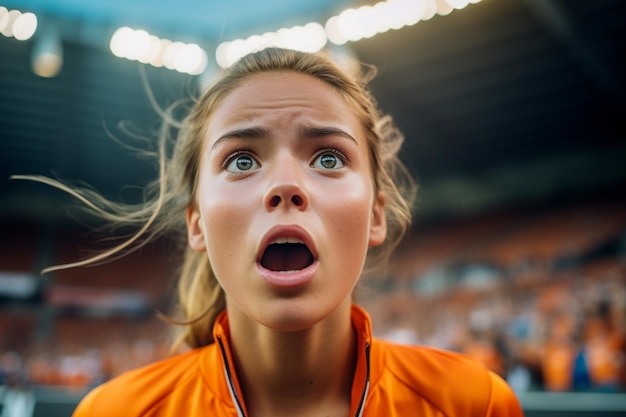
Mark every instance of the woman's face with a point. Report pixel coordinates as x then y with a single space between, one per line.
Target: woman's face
285 205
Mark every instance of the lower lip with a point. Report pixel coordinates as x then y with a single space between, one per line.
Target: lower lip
291 279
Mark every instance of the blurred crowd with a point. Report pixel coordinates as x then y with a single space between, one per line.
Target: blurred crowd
557 333
82 364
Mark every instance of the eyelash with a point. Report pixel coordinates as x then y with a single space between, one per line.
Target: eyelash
333 150
235 153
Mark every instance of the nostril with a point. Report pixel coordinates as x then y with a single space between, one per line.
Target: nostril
296 200
275 201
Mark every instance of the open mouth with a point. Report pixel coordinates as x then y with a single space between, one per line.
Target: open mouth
283 257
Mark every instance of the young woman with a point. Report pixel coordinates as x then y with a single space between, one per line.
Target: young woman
286 178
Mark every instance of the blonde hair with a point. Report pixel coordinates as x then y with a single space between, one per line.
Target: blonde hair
201 298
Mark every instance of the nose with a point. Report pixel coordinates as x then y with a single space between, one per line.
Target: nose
286 188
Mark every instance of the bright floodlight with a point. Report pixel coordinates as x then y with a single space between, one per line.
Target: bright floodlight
24 26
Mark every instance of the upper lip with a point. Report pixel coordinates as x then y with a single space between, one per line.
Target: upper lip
287 234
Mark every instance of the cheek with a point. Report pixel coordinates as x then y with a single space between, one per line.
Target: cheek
352 221
225 217
351 216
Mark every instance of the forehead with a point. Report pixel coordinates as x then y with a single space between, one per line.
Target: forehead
283 94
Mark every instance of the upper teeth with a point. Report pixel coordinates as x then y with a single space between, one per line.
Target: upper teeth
282 240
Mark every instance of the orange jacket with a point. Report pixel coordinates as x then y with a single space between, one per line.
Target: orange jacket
390 380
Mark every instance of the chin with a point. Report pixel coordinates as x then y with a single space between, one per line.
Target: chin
296 315
291 319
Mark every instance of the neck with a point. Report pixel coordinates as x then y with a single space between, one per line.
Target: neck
295 373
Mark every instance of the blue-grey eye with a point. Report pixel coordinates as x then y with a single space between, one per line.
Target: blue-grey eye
242 163
328 161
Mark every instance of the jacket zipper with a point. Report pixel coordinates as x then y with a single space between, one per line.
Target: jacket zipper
229 378
361 408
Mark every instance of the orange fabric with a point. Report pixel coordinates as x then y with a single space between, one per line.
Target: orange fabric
403 381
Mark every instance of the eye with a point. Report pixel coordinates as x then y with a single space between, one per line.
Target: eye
241 163
330 159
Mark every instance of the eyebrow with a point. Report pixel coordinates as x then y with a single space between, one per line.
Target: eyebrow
303 130
249 132
321 131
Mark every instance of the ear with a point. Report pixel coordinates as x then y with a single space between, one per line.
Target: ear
195 233
378 224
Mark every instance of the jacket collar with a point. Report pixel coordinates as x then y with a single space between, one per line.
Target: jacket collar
361 382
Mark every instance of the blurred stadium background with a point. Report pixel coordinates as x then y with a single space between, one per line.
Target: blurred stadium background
514 113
